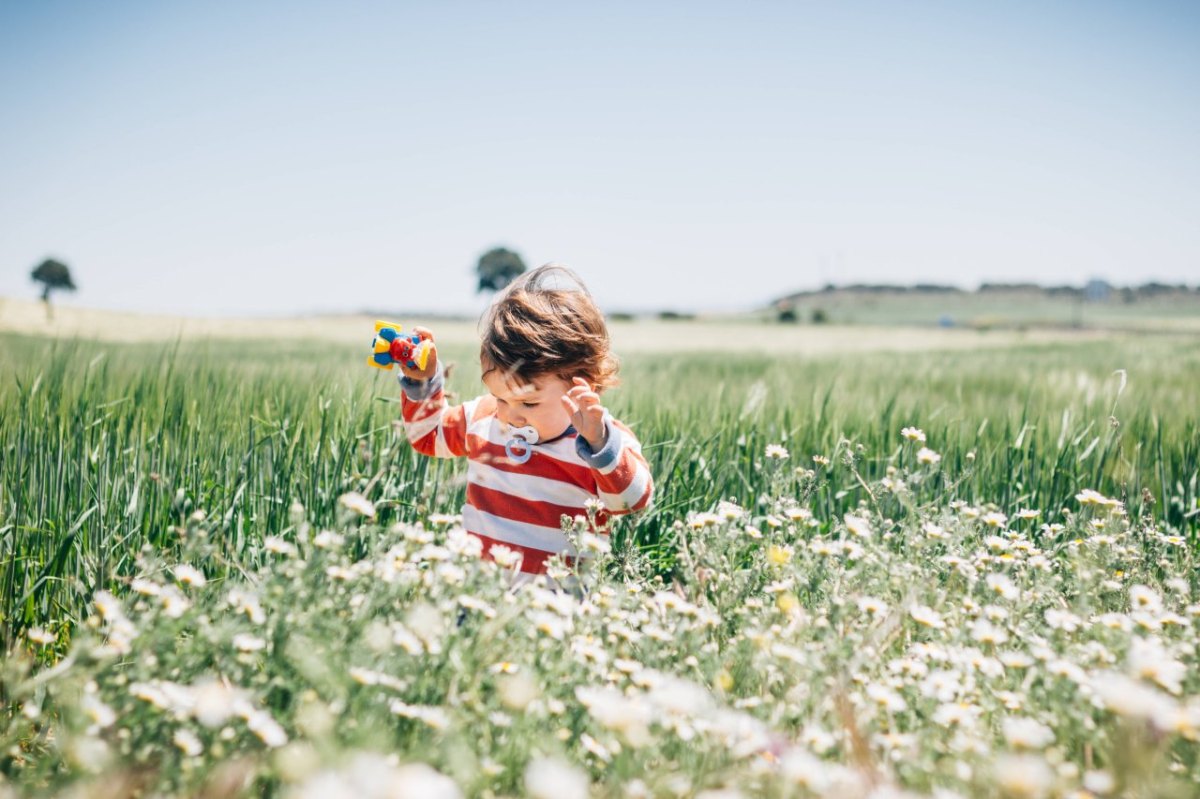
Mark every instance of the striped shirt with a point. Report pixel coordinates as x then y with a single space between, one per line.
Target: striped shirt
520 506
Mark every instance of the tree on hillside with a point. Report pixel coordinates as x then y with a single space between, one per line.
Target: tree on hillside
52 275
497 268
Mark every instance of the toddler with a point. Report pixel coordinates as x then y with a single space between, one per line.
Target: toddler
539 444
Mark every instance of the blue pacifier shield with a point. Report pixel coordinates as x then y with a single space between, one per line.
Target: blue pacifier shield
519 448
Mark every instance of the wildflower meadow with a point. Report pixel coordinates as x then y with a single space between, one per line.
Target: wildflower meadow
967 573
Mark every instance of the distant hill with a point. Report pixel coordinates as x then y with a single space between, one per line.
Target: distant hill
1097 290
1097 304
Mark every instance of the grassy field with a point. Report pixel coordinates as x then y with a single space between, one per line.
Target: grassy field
106 446
120 459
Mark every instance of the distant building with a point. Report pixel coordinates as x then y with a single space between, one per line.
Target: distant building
1097 291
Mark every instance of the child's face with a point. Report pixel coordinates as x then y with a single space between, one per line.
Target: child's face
537 404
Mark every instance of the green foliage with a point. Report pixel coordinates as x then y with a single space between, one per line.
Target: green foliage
497 268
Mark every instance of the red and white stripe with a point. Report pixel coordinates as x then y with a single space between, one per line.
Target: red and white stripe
520 506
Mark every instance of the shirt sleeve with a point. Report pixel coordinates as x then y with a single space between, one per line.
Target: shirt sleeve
433 428
622 475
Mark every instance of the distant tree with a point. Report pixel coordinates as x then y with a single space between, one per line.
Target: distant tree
52 275
1156 289
819 316
787 313
497 268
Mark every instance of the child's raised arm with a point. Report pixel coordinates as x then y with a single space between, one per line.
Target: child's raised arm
611 450
432 427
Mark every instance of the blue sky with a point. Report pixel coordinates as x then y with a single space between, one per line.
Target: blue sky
230 158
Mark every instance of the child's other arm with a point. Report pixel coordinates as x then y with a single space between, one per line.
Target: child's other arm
610 449
622 474
432 427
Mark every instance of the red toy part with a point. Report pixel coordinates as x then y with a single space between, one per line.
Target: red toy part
402 350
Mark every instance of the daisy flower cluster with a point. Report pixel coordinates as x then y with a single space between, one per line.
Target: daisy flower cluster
907 648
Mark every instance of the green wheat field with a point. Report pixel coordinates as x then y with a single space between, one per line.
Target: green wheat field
947 571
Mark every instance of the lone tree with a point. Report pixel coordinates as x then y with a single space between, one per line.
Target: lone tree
53 275
497 268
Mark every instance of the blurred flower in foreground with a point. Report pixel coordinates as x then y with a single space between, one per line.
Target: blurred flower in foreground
357 503
371 776
548 778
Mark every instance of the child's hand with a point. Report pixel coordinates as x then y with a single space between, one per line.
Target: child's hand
430 364
587 414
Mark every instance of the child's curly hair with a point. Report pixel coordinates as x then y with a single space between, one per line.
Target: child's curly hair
536 328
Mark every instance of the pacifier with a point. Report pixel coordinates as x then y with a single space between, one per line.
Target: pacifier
519 448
